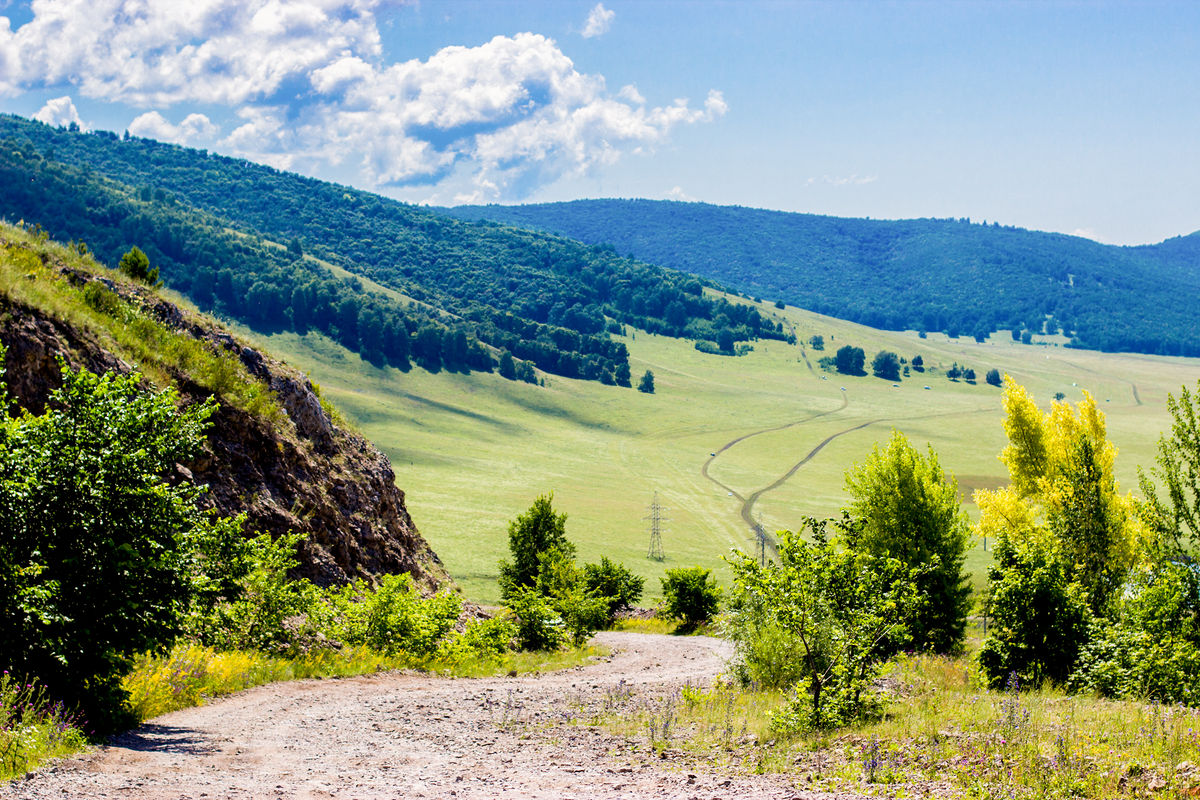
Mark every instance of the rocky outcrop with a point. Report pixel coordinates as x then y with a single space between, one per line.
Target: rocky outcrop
304 473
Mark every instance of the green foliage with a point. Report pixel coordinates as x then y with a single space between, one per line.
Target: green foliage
886 365
93 541
614 581
849 360
817 342
530 535
918 363
136 265
257 597
1149 647
646 384
1038 619
993 377
1178 469
905 507
393 618
831 614
539 625
690 594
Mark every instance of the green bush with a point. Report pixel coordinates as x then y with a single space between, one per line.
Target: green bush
1148 647
1039 618
391 617
614 581
529 535
835 610
765 653
539 625
93 541
690 594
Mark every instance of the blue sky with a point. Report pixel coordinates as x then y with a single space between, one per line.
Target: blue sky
1080 117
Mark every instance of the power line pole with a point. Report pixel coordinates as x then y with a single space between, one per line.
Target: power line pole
657 519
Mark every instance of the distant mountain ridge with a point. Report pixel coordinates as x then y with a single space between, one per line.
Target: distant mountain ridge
925 274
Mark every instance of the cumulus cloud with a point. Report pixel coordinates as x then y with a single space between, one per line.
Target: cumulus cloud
59 111
677 193
154 125
598 22
311 89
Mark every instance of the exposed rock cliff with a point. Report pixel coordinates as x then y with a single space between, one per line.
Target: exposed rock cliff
305 473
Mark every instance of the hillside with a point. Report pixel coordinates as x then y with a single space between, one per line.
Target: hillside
282 252
925 274
273 452
473 450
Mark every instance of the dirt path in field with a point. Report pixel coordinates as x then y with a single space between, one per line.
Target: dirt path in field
416 736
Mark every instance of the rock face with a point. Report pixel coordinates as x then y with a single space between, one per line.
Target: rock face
308 474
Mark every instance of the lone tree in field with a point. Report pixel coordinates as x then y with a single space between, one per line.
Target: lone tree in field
850 360
646 384
907 508
993 377
886 365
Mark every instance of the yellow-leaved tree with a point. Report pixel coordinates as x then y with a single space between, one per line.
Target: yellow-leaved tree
1065 538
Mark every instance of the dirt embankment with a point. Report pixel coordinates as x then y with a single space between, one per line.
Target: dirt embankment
412 736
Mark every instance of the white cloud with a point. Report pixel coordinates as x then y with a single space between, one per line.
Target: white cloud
835 180
59 111
311 89
598 22
677 193
154 125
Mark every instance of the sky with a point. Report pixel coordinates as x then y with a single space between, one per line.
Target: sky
1077 117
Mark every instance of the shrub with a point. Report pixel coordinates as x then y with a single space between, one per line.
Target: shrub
886 365
529 535
690 594
1148 648
93 541
614 581
836 611
391 617
906 508
539 625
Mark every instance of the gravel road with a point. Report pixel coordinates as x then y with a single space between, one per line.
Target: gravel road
411 736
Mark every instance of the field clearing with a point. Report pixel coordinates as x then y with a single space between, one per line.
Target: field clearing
473 451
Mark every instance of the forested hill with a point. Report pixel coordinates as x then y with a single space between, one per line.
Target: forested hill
927 274
265 247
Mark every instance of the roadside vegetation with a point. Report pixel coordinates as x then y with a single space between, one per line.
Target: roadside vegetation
853 666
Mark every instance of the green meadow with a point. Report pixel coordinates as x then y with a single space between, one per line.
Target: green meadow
472 451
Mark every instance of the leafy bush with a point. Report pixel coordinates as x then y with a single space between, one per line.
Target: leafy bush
539 625
1148 648
529 535
93 541
259 598
391 617
838 610
1039 619
906 507
690 594
614 581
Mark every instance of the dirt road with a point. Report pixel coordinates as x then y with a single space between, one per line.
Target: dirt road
412 736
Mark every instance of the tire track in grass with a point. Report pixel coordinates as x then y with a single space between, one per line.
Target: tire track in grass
748 501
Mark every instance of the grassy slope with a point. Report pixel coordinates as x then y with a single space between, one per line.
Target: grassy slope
472 451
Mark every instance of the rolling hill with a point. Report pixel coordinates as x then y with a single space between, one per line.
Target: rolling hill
944 275
282 252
